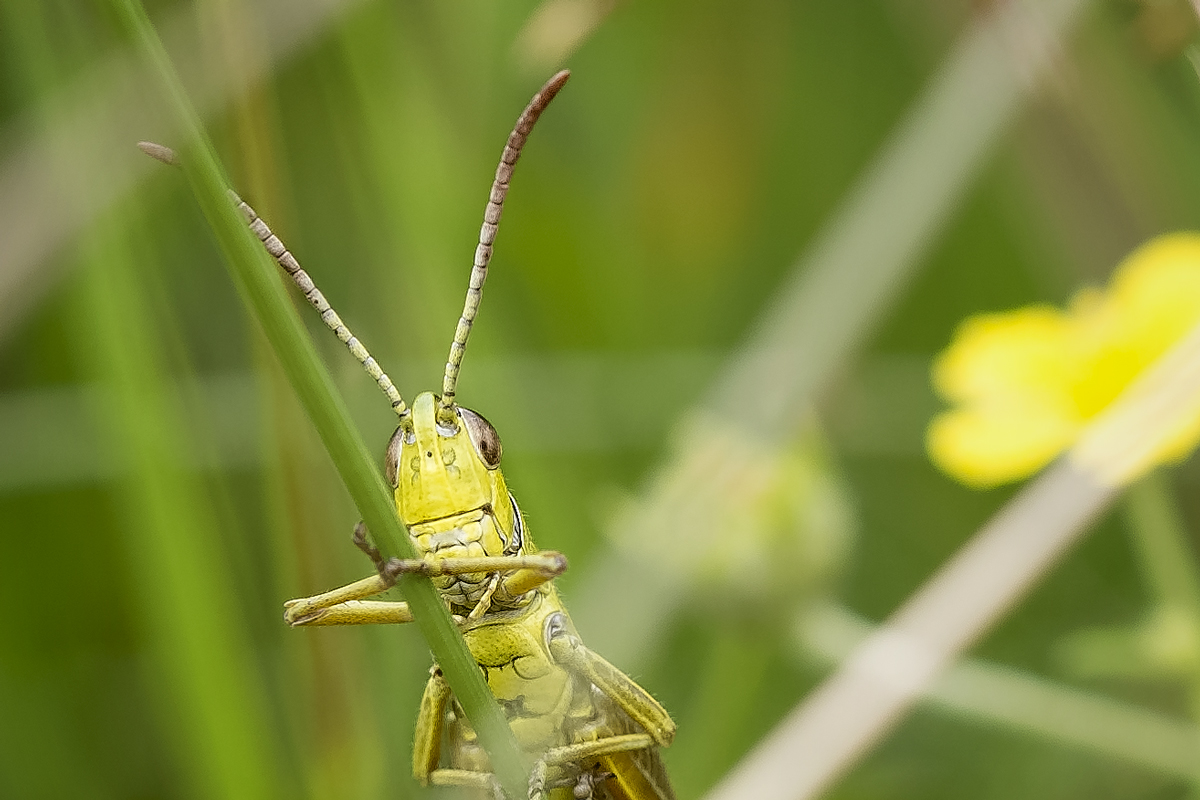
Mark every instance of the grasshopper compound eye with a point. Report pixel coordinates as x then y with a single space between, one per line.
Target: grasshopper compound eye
392 458
483 436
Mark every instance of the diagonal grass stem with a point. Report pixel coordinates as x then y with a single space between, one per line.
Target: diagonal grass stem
262 290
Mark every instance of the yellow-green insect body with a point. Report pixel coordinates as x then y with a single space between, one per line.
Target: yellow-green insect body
588 729
536 693
552 702
451 493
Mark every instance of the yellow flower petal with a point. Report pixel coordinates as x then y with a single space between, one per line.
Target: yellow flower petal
993 446
1016 352
1156 293
1027 381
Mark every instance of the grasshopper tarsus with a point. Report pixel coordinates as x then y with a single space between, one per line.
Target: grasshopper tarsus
362 540
558 561
298 620
585 786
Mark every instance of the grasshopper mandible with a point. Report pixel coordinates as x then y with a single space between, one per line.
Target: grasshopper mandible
589 729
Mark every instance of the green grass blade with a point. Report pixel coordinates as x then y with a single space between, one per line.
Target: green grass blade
210 693
261 288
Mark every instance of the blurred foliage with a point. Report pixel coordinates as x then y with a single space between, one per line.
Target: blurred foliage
153 519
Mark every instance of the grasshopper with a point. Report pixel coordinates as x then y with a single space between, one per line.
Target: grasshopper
590 730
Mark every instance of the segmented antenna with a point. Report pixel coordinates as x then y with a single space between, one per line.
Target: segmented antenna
487 235
289 265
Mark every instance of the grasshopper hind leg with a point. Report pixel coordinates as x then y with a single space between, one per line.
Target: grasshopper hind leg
471 785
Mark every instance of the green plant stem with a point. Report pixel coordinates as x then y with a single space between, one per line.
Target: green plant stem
722 705
211 694
261 288
1167 560
1162 543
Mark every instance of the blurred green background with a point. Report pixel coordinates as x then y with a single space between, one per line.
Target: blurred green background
161 493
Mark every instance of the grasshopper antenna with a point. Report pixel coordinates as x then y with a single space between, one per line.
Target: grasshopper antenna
292 267
487 235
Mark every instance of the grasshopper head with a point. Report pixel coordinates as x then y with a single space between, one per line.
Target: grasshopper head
450 491
443 460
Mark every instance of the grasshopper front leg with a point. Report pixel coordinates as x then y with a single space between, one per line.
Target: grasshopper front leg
518 574
346 605
521 573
